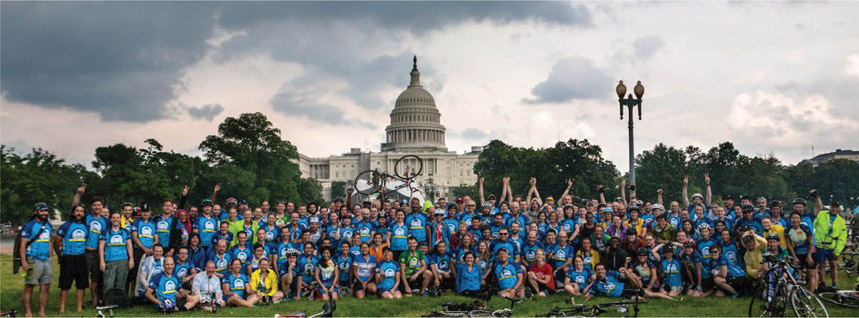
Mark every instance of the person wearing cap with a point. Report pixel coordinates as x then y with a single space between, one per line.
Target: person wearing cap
749 220
35 251
437 230
633 241
633 221
143 237
755 246
774 249
776 214
206 224
452 221
697 198
509 275
830 237
614 256
642 273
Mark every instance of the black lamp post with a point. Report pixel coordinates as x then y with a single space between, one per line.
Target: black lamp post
630 102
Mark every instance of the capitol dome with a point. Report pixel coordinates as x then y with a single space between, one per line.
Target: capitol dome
415 121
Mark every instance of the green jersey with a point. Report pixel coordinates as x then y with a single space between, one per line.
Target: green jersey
412 262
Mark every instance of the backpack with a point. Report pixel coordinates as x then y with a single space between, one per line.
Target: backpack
117 297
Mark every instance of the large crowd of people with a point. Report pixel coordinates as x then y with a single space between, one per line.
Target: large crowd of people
237 254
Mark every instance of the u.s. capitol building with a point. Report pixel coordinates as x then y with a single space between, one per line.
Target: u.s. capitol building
415 129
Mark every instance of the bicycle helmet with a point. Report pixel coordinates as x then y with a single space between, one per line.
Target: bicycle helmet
657 206
633 207
704 226
697 195
799 201
775 203
631 231
748 208
607 210
690 243
641 251
773 236
748 238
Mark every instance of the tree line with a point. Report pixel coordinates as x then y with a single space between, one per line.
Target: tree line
662 167
248 157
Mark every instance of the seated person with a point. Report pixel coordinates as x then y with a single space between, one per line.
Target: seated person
607 283
509 276
264 280
727 275
413 265
773 250
363 269
641 273
578 277
388 276
207 286
165 291
237 288
540 275
326 275
442 270
307 270
672 279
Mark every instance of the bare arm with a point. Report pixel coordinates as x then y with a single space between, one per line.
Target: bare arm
659 197
215 193
685 193
623 191
349 200
818 204
480 189
566 191
655 252
709 198
504 186
80 191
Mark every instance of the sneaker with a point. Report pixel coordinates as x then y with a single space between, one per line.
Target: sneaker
735 295
426 292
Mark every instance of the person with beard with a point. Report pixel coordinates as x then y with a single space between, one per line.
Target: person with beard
69 244
36 258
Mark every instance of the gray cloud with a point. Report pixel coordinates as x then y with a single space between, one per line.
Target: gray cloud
124 60
207 112
646 47
120 60
473 133
573 78
302 104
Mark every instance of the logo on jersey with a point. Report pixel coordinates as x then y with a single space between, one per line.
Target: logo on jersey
390 272
95 226
413 262
399 232
182 272
116 239
416 222
169 287
243 256
78 234
146 231
163 225
209 225
45 235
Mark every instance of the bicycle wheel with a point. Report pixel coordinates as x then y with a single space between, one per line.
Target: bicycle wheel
368 182
480 313
408 167
759 307
806 304
837 299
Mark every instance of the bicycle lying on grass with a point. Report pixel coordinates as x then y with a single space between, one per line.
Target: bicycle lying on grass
327 311
846 298
452 309
582 310
505 312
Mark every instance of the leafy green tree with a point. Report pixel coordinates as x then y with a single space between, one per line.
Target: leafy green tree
38 176
577 160
264 161
661 168
338 189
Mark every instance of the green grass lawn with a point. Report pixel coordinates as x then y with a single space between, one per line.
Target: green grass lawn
11 286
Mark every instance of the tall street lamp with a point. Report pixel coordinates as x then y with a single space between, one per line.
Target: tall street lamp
630 102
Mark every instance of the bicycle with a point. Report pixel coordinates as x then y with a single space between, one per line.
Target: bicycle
451 309
845 298
594 310
10 313
327 311
781 290
505 312
406 169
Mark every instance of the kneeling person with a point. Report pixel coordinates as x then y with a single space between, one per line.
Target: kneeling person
164 291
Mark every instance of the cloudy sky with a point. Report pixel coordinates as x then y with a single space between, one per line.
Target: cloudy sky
771 77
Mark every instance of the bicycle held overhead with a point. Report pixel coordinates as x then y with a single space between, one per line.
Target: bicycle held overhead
406 169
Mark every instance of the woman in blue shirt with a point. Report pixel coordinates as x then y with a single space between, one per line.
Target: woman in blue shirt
578 277
398 234
344 263
326 275
236 284
114 249
469 278
388 276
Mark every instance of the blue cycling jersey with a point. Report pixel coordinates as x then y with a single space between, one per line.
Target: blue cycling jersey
95 225
40 234
74 237
165 287
389 271
146 231
115 244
